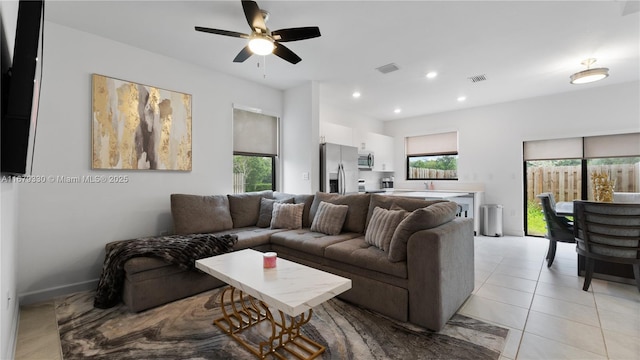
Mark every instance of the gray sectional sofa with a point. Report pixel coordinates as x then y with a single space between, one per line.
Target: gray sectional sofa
411 259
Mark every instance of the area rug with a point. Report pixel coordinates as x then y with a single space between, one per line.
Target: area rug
184 330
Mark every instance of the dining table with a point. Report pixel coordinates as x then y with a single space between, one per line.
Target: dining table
564 208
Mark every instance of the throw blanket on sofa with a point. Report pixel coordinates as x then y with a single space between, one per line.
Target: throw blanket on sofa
181 250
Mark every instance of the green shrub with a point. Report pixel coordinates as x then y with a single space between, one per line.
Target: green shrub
535 219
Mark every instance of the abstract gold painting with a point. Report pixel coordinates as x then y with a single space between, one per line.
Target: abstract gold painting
139 126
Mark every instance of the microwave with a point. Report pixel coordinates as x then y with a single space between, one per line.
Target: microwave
365 160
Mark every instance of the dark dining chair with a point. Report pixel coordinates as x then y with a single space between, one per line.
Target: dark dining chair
607 232
559 228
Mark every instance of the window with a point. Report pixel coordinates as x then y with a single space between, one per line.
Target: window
255 151
564 167
432 157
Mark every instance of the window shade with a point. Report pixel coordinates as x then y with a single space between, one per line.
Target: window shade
612 146
570 148
443 143
254 133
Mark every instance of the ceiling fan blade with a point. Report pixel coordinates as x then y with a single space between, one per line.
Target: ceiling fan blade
286 54
254 16
222 32
243 55
295 34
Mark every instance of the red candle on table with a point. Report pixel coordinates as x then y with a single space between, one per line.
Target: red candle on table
269 260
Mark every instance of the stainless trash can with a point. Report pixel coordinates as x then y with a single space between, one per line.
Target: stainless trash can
492 220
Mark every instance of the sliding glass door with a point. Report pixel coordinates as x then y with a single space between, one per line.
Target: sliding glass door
567 167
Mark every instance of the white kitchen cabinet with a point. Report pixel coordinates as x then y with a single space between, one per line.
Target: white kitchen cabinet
336 134
382 148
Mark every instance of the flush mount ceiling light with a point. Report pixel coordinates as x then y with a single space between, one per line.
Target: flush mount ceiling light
589 75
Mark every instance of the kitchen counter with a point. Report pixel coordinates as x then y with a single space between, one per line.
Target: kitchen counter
428 194
470 200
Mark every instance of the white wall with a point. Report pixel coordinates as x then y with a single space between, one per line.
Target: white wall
8 220
63 227
300 151
490 137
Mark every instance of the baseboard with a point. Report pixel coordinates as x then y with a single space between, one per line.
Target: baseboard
51 293
12 342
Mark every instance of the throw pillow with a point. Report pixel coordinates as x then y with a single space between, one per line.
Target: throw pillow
329 218
266 208
286 216
381 227
420 219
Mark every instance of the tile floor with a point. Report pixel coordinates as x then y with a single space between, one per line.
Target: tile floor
549 315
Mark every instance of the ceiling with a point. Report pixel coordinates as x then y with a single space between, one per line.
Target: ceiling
523 48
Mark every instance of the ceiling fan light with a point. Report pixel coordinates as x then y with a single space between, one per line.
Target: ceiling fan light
261 45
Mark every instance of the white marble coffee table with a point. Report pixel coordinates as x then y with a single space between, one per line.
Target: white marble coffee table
290 288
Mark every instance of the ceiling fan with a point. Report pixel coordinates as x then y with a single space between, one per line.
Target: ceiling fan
262 41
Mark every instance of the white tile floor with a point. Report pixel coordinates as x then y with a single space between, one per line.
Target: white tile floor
548 314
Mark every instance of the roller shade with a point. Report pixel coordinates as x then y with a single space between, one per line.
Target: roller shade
443 143
570 148
254 133
612 146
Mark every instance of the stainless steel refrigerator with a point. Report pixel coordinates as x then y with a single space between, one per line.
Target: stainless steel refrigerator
338 168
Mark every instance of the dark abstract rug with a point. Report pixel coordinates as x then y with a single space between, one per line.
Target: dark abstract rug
184 330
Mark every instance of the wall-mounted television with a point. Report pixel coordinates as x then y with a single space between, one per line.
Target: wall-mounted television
20 89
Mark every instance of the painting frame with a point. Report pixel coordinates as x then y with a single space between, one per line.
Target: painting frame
139 127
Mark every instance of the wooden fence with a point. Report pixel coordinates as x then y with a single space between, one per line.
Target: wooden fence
238 183
421 173
565 182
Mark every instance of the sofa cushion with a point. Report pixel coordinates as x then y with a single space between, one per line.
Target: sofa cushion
420 219
307 241
357 252
266 210
194 214
245 208
381 227
329 218
358 207
287 216
406 203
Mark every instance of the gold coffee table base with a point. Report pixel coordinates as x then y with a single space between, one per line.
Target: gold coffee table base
247 312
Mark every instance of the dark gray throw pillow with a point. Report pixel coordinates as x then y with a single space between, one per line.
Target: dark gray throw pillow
266 210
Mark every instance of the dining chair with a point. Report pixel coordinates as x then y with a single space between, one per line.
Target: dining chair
559 228
607 232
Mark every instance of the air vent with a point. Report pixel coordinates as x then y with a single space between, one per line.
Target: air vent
385 69
477 78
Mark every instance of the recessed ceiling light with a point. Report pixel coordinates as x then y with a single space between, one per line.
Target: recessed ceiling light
356 94
431 74
462 98
397 110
